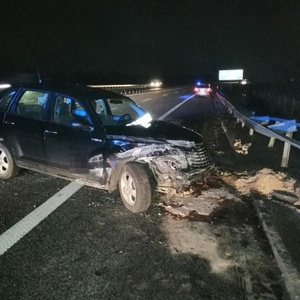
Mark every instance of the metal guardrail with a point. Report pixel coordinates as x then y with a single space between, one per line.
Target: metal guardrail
128 88
255 126
120 86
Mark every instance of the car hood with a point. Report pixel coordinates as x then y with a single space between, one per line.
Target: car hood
157 132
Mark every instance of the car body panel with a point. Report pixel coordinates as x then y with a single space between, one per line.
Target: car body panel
27 137
158 131
64 151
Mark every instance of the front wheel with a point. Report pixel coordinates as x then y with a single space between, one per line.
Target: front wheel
8 168
134 187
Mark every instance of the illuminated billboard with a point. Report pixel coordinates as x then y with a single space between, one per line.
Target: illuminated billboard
231 74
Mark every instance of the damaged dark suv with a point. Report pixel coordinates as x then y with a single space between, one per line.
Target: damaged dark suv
100 138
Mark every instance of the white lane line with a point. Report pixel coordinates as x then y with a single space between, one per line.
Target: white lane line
20 229
146 99
174 108
165 95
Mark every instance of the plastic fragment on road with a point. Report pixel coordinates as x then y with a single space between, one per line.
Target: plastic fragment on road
286 126
261 119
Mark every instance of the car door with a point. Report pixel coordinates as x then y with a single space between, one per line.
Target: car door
5 101
24 125
72 137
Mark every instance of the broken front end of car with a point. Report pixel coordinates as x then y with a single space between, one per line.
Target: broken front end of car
175 165
161 157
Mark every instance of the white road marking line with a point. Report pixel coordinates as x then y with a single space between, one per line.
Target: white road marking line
165 95
20 229
146 99
174 108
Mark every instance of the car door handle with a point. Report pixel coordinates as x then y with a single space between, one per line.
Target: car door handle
9 123
50 132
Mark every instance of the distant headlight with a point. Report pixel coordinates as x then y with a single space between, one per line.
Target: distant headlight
156 83
4 85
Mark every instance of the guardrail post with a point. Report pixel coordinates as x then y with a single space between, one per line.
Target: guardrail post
271 142
286 151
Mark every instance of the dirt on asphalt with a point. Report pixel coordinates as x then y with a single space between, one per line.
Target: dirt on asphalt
255 170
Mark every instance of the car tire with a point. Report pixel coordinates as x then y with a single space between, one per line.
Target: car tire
134 187
8 167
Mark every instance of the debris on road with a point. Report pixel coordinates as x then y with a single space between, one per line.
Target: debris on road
264 181
205 199
241 148
205 204
285 196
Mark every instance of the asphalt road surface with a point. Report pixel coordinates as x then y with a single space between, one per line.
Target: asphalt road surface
91 247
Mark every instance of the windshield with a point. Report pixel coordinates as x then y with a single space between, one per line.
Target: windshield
118 111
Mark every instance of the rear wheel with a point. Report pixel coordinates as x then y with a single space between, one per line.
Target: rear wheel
134 187
8 168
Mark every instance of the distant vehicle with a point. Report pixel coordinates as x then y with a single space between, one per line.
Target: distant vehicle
203 90
98 137
156 83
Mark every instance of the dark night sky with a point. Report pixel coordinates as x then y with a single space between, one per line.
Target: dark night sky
133 41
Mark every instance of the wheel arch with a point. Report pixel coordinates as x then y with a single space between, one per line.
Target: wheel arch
13 147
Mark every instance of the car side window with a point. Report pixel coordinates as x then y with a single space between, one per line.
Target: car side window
6 101
32 104
69 112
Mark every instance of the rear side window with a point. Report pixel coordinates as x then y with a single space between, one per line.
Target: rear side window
32 104
5 101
